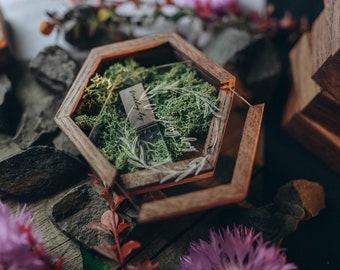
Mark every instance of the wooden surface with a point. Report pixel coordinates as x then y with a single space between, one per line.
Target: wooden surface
325 46
332 8
307 97
325 110
233 192
318 140
159 241
305 89
314 101
313 246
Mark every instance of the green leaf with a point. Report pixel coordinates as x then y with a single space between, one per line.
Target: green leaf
91 261
104 14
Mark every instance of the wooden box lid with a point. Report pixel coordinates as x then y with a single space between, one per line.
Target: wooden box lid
160 49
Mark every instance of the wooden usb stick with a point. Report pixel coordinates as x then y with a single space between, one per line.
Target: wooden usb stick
141 117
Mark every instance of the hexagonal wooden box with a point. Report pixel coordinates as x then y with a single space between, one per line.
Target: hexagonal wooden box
158 50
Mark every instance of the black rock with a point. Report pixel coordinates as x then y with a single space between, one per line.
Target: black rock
253 59
5 90
75 210
37 121
54 68
39 107
39 172
8 148
223 48
260 68
61 142
294 202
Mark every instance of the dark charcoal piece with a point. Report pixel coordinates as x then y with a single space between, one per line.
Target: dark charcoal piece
74 212
61 142
226 45
261 68
295 201
253 59
39 108
37 121
39 172
54 68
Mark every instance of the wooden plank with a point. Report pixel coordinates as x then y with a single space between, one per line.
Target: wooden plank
169 258
325 110
218 195
317 139
332 8
305 89
163 235
326 48
306 96
321 40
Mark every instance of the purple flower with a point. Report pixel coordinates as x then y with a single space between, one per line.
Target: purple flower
237 249
207 8
20 244
214 4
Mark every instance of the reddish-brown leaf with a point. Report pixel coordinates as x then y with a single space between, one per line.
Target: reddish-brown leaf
122 227
128 247
144 265
110 219
96 225
107 195
118 199
109 251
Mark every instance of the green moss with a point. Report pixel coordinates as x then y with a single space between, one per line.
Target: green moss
184 106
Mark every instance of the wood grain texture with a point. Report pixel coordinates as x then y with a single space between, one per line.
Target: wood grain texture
306 96
305 89
317 139
151 50
332 8
325 110
326 48
312 113
321 42
218 195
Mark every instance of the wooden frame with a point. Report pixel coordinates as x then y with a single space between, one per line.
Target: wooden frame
143 49
167 47
220 195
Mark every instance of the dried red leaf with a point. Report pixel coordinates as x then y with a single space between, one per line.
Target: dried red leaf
107 195
98 226
144 265
110 219
109 251
118 199
128 247
59 264
122 227
97 183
